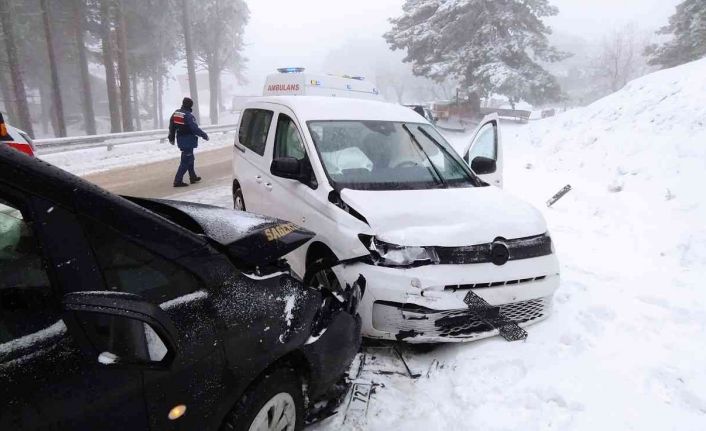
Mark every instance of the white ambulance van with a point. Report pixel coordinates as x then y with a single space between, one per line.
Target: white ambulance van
424 237
295 81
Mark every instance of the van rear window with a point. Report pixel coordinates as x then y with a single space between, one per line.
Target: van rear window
254 127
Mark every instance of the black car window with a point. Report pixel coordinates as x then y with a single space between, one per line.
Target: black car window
128 267
254 127
288 142
27 305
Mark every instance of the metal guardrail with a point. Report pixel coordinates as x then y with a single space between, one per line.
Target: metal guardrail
56 145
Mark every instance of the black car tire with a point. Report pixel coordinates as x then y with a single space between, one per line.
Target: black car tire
238 196
282 380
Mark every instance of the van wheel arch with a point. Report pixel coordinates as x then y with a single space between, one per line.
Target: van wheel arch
318 251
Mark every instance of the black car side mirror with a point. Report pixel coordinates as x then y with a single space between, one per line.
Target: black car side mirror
118 329
288 167
483 165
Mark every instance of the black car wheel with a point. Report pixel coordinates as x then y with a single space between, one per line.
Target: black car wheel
238 200
275 402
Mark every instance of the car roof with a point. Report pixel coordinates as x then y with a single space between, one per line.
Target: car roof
311 108
37 177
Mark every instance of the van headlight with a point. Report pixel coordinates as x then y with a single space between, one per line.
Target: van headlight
386 254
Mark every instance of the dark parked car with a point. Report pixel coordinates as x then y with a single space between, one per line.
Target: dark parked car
134 314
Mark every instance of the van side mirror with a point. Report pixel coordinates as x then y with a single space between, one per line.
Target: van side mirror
483 165
120 329
288 167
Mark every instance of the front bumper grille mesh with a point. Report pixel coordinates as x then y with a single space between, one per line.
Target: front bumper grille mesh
460 323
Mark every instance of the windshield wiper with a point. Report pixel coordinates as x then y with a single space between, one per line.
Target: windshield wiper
451 156
419 146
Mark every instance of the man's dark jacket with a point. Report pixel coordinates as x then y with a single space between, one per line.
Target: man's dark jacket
183 125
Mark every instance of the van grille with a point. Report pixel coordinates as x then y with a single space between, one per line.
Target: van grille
519 248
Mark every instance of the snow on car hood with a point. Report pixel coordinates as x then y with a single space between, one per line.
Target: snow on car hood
445 217
249 238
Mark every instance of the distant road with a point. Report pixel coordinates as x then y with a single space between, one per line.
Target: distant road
154 180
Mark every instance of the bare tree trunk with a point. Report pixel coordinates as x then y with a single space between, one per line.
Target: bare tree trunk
109 63
136 103
155 100
160 98
7 97
213 78
190 62
55 84
221 105
46 112
18 87
123 68
89 117
146 94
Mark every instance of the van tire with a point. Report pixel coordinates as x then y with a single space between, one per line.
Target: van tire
238 199
273 384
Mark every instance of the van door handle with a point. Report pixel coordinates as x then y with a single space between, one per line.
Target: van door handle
268 186
258 179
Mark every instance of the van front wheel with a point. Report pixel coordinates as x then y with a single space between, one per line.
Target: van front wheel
238 200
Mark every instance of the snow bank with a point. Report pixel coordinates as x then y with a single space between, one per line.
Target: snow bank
646 147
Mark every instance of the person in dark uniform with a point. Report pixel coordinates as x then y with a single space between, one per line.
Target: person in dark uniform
183 125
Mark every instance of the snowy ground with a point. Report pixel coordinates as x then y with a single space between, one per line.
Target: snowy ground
626 346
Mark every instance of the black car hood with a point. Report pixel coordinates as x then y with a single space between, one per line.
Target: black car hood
248 238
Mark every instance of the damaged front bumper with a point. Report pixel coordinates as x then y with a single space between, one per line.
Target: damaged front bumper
426 304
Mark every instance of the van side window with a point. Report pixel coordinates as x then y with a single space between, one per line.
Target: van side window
130 268
254 128
27 304
486 143
288 142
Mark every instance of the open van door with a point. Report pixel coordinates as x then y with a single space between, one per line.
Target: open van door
484 153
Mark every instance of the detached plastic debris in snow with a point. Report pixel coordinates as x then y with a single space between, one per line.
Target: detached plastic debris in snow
560 194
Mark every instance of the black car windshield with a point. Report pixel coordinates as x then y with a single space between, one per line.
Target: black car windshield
385 155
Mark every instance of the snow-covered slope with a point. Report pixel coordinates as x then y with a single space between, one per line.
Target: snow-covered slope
626 346
644 150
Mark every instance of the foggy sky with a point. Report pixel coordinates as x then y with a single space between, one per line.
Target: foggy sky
301 33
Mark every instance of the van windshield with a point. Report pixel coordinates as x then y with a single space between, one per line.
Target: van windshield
384 155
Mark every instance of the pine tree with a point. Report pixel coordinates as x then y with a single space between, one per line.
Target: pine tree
56 98
18 87
688 27
89 118
219 42
108 50
123 66
190 62
489 46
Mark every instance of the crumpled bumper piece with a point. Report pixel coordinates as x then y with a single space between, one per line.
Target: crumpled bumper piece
411 322
332 353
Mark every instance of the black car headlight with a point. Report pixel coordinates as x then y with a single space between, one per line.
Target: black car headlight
386 254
